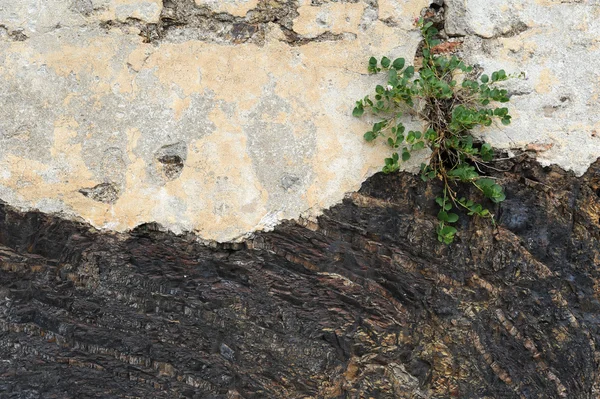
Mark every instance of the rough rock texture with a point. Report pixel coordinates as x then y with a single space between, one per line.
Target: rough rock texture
555 43
363 304
254 96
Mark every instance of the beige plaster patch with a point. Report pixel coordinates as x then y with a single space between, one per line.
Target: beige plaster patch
545 82
248 91
330 17
120 10
238 8
401 12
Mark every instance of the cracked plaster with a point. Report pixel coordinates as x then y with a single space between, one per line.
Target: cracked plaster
221 138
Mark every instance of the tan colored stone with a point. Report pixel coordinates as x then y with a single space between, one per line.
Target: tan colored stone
401 12
238 8
274 139
545 81
144 10
331 17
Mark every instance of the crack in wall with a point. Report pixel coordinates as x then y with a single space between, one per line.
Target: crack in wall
184 20
16 35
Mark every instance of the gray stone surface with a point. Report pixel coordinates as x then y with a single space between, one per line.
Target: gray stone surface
556 45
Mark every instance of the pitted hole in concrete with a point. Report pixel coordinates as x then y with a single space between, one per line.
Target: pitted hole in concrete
171 159
549 110
18 35
104 192
288 181
84 7
242 31
172 166
436 5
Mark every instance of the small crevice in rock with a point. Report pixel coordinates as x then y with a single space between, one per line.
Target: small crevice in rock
519 92
147 229
436 16
104 192
288 181
84 7
391 22
173 165
16 35
183 20
171 159
516 29
436 5
294 39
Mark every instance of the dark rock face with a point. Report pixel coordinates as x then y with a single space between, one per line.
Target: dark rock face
365 304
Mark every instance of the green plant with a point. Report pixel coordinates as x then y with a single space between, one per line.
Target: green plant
450 110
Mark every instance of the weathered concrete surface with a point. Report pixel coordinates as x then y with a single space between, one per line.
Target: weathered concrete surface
206 136
226 117
234 7
557 44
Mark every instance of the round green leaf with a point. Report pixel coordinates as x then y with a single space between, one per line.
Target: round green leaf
452 218
443 216
398 64
358 111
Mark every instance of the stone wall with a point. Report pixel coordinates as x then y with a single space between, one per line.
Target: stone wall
556 43
224 117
